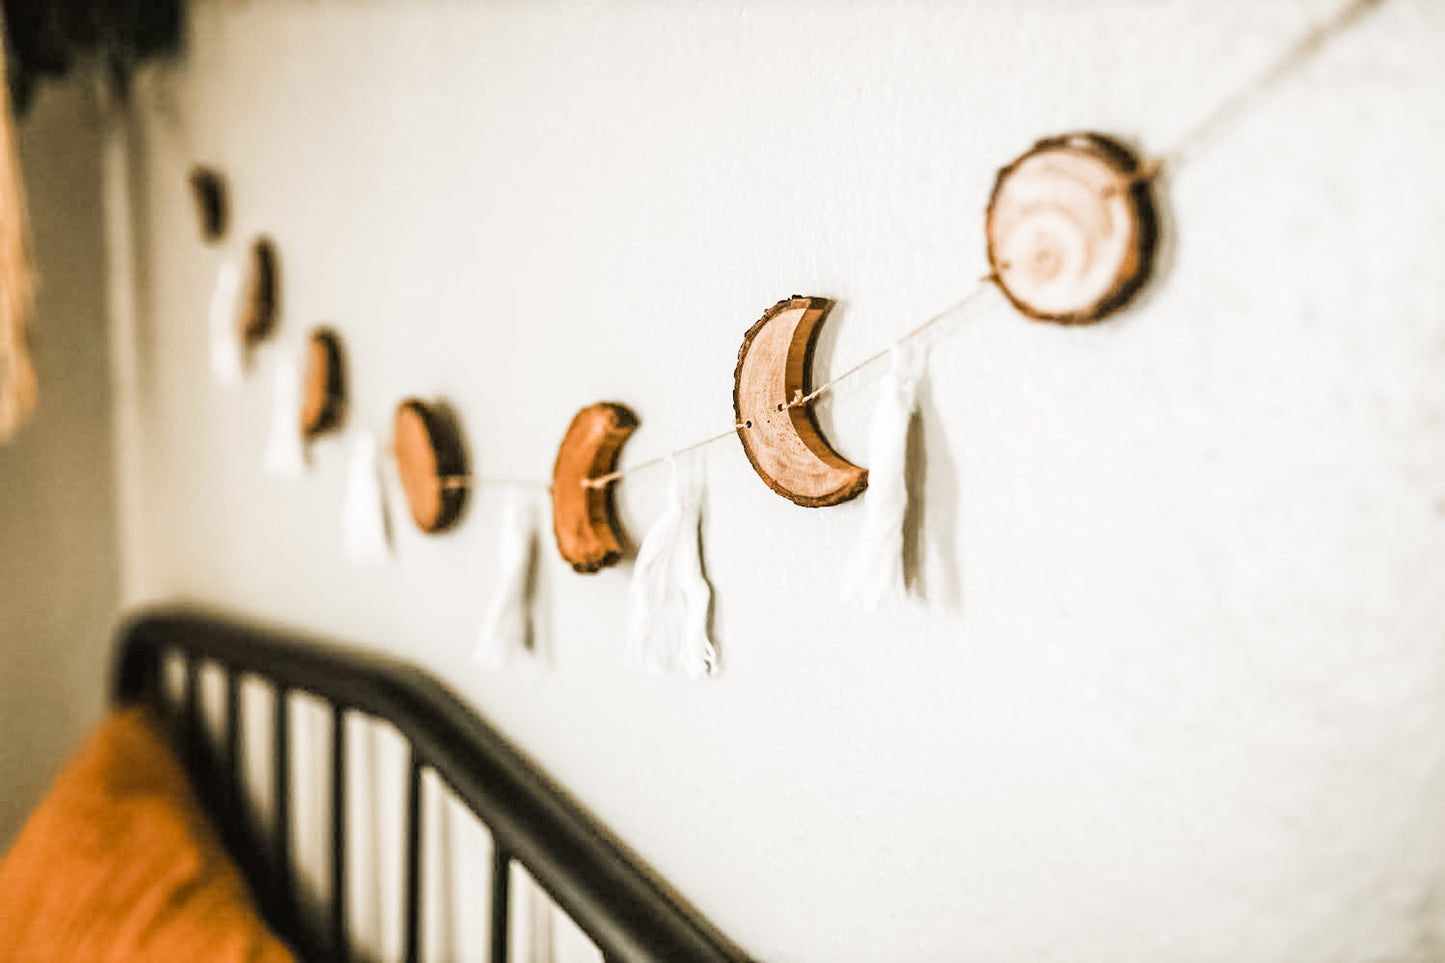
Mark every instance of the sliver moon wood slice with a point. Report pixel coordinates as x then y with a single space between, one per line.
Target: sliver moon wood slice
584 520
1072 228
208 190
785 444
259 293
432 464
323 391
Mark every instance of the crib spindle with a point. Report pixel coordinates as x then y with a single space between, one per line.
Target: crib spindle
501 901
413 861
340 939
281 815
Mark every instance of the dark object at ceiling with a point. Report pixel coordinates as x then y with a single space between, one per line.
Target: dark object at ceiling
51 38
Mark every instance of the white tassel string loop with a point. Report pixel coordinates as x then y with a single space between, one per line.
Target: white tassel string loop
507 628
227 356
669 598
365 525
286 449
878 580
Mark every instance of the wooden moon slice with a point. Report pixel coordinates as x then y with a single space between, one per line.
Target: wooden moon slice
583 518
323 390
257 317
432 464
785 445
1072 228
208 189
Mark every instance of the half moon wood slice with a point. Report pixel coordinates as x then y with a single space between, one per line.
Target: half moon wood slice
432 464
208 190
323 389
1072 228
584 519
785 445
259 292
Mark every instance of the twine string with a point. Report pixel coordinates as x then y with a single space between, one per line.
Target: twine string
1295 57
799 398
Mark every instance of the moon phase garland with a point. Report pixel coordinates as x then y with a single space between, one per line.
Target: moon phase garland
1071 230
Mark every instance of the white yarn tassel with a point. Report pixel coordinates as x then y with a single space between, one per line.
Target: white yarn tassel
667 602
286 450
877 580
364 521
225 342
508 625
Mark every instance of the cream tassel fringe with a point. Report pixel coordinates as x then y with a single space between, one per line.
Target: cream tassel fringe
877 581
364 522
18 387
227 356
668 599
507 628
286 449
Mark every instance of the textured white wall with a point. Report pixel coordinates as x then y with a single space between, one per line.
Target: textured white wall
1175 694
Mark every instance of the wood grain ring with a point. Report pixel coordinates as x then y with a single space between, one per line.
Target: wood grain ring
584 518
1072 228
432 464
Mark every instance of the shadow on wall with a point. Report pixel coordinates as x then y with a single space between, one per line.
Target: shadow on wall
59 568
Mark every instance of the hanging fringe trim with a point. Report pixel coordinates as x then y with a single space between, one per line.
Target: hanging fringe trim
286 449
227 355
18 386
668 599
507 628
877 580
364 521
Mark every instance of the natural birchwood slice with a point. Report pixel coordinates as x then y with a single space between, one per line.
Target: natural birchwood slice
259 289
432 464
323 389
1072 228
583 517
785 445
208 190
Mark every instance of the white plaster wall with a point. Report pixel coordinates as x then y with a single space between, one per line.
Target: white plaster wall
1175 693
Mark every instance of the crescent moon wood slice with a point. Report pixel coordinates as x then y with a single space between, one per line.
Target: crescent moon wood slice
432 464
583 517
785 444
256 318
1072 228
323 391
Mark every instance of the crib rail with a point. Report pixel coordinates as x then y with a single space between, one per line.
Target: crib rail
623 907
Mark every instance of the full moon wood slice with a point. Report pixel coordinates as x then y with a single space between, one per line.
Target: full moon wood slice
256 318
432 464
323 389
785 445
583 517
208 190
1072 229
